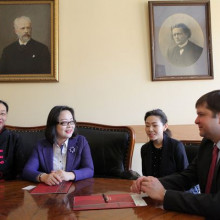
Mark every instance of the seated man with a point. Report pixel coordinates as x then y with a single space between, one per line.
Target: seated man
11 156
204 170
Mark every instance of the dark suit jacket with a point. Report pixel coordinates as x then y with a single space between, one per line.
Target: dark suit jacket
10 155
34 58
207 205
79 159
174 157
190 55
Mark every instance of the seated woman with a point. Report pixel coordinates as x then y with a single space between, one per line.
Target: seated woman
10 148
63 155
162 155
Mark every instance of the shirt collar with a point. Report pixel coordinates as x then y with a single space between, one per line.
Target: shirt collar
64 147
183 45
218 145
65 144
22 43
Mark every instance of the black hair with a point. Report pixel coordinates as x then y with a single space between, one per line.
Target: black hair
161 115
211 100
5 104
52 121
186 30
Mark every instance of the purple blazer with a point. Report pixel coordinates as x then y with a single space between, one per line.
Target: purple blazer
79 159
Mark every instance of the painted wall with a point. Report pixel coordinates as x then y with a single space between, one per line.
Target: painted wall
105 72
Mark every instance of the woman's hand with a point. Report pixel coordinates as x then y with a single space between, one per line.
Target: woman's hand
56 177
63 175
51 178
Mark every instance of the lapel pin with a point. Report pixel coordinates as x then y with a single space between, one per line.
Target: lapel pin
72 150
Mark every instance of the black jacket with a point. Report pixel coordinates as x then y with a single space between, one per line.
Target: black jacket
174 157
34 58
190 55
11 157
207 205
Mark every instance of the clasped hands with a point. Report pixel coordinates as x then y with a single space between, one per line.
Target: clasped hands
149 185
56 177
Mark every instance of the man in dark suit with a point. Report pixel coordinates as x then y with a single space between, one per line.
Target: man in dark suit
169 190
25 56
11 155
185 52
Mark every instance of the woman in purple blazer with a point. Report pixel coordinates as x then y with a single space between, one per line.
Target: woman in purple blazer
63 155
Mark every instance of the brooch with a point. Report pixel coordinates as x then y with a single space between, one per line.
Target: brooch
72 150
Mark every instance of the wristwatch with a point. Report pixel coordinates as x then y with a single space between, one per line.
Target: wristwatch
39 177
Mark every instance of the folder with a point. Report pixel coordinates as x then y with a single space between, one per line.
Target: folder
42 188
107 201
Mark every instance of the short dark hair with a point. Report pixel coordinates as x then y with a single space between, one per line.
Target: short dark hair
52 121
211 100
5 104
161 115
186 30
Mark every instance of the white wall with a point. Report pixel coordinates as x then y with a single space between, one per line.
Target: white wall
136 160
105 72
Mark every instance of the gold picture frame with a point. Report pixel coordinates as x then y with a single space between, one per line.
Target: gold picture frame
40 60
183 60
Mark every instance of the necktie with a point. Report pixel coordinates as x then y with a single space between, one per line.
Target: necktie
212 169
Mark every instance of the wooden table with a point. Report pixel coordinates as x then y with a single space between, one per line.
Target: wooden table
16 203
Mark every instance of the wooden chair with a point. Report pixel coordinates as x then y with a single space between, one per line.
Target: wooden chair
111 148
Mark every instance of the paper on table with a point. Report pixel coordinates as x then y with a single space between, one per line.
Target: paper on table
143 195
138 200
29 187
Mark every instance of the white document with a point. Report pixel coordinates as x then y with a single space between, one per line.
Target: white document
29 187
138 200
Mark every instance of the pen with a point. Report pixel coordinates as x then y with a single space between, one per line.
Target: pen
105 198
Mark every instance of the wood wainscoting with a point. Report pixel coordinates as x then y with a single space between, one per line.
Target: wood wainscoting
179 132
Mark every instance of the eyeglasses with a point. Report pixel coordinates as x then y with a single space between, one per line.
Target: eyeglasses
66 123
2 114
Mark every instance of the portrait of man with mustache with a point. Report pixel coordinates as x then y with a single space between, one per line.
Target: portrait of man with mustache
26 55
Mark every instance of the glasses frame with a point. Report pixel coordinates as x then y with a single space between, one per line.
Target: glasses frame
66 123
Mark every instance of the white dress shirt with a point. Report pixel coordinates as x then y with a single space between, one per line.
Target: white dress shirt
59 156
218 146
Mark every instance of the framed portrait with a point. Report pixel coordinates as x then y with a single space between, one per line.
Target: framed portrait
29 41
180 37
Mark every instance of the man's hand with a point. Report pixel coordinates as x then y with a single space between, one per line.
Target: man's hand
136 186
149 185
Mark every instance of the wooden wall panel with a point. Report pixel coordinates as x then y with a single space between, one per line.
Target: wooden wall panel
179 132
